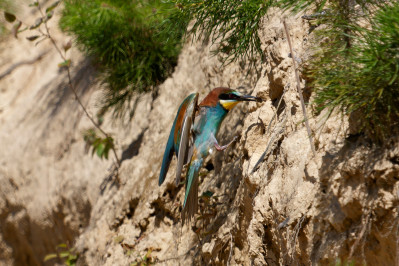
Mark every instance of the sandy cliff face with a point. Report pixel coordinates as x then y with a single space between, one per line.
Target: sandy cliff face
274 202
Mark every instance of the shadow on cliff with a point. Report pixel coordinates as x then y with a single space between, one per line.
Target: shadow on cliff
55 107
26 236
56 102
134 147
352 180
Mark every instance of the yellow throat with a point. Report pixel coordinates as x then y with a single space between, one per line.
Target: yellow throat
228 104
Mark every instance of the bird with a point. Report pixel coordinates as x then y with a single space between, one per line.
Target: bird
193 137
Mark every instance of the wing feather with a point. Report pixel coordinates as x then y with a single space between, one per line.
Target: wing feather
167 158
184 147
179 136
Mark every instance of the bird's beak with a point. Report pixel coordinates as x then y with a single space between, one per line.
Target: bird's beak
249 98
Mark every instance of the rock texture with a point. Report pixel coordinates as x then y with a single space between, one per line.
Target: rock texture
274 202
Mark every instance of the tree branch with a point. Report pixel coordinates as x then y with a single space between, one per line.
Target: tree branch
44 18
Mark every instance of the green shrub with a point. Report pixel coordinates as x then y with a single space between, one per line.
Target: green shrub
233 25
359 71
134 43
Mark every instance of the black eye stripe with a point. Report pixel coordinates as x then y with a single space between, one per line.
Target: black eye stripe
227 96
223 96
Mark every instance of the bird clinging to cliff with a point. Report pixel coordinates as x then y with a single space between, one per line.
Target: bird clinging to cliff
193 137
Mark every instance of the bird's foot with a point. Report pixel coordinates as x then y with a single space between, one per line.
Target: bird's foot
222 148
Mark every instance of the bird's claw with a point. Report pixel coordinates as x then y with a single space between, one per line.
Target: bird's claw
222 148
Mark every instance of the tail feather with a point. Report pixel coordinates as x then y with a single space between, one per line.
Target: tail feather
167 157
190 206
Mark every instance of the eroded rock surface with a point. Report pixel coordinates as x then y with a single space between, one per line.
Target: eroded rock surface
274 202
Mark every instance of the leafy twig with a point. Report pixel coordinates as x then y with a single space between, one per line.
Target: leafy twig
69 256
49 36
102 146
300 90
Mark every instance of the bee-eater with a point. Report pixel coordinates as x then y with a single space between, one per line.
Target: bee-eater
193 137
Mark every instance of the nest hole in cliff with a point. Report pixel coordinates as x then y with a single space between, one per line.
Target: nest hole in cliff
279 104
209 166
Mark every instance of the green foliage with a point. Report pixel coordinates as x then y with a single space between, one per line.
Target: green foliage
100 146
67 255
233 25
66 63
9 17
134 43
357 71
36 26
300 5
